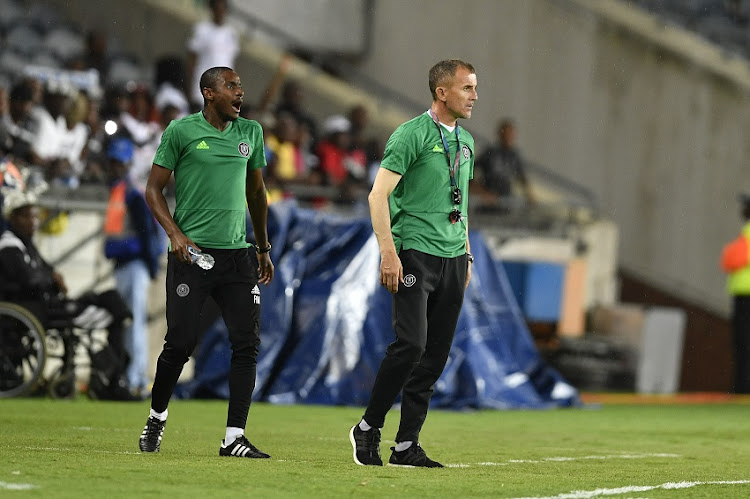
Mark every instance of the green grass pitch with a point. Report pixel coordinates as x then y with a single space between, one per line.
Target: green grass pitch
82 448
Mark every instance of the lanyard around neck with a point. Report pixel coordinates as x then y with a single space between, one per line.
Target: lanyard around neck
455 167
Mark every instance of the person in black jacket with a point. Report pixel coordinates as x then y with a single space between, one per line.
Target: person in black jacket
27 279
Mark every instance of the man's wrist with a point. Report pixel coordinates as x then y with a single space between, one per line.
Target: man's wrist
470 257
261 250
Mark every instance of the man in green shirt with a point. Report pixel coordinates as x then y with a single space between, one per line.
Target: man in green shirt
418 206
216 158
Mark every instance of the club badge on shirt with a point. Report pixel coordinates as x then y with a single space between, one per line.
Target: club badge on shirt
244 149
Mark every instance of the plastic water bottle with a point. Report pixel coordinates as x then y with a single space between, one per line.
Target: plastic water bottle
203 260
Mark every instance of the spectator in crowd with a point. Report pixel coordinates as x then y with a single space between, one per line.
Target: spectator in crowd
293 102
340 165
143 155
289 166
18 123
500 169
170 82
27 279
213 43
359 119
735 261
96 54
135 244
74 141
51 130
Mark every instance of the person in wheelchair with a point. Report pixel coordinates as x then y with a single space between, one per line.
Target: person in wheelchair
28 280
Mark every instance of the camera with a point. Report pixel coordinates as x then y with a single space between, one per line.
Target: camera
456 195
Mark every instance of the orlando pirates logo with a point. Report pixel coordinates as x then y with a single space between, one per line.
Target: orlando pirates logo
466 152
244 149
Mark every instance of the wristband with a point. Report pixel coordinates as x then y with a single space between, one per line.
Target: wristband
260 250
470 257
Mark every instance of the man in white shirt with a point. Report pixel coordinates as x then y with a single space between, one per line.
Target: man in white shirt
213 43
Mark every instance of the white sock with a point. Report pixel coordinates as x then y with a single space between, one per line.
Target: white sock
364 426
232 433
402 446
161 416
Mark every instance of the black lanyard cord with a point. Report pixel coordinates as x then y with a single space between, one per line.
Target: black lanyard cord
453 169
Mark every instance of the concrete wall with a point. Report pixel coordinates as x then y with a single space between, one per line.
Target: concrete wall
647 116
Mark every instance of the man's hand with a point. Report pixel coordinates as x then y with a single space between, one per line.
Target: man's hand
179 243
391 272
265 268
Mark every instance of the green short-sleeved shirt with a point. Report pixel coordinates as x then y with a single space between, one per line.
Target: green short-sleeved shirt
210 170
421 201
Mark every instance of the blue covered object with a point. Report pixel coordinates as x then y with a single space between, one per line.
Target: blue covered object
326 322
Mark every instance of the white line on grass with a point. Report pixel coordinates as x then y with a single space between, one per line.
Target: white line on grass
565 459
587 494
88 451
17 486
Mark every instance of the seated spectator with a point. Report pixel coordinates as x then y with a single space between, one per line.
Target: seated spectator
73 142
500 172
340 165
16 121
47 148
27 279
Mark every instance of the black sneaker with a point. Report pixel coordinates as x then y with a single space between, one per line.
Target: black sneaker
241 447
414 456
366 445
151 436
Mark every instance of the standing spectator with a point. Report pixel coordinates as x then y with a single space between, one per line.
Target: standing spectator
293 102
170 80
217 158
359 119
213 43
417 206
135 244
501 168
289 165
735 261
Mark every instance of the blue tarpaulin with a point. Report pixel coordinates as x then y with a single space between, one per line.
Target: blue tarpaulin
326 322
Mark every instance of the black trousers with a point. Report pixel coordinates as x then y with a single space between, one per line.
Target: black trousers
741 343
233 284
425 313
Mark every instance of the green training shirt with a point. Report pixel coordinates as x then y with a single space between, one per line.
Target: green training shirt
421 201
210 169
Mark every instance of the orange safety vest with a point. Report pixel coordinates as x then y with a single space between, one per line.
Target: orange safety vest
735 261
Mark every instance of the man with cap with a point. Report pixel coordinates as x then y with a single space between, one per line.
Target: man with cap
28 280
135 243
735 261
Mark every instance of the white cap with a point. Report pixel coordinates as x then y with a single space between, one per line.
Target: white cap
336 124
16 198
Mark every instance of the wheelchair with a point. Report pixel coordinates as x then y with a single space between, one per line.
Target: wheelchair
35 360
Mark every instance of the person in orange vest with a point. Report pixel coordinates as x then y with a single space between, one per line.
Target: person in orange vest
136 244
735 261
